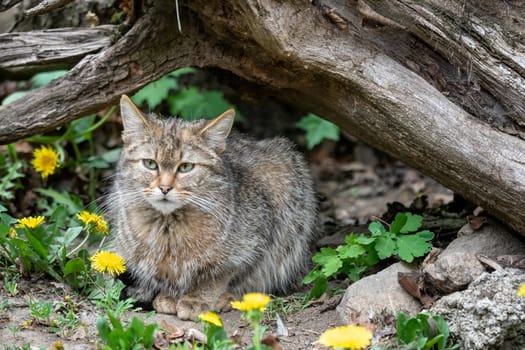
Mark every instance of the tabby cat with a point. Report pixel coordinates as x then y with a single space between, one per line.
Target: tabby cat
202 214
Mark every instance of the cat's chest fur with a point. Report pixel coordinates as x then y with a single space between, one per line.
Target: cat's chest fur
165 244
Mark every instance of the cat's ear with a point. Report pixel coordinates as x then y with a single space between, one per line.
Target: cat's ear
217 130
132 118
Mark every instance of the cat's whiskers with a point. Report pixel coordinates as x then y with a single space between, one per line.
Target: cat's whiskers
132 197
220 181
207 206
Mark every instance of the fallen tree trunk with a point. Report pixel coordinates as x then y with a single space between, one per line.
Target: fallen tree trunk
27 53
377 82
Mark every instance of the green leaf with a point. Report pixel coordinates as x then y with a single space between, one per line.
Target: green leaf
115 322
193 104
41 79
385 246
442 328
72 203
370 258
312 275
437 339
412 224
12 97
317 129
376 228
137 327
398 223
424 325
35 243
154 93
319 288
104 160
332 267
350 238
365 240
59 215
112 156
187 103
70 235
74 266
411 246
149 336
350 251
97 162
426 235
79 128
329 260
354 272
407 329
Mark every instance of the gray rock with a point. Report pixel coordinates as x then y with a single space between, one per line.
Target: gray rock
377 293
491 239
457 265
487 315
453 272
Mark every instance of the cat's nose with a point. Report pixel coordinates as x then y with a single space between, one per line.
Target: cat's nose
165 188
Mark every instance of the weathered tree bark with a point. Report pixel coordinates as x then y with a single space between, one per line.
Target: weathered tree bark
396 87
29 53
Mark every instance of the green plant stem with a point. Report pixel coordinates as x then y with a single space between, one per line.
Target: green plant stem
102 242
257 335
77 248
78 155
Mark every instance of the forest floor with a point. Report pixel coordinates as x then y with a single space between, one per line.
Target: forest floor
354 188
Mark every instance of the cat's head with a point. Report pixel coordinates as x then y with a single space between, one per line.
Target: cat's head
171 163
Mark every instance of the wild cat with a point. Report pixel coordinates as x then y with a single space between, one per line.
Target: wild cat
202 214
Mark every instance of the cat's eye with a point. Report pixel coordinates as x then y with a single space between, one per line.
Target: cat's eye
150 164
185 167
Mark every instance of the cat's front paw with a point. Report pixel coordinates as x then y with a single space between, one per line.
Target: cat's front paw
165 304
224 302
188 308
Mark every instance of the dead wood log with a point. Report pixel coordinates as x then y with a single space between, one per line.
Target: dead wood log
27 53
381 84
7 4
484 38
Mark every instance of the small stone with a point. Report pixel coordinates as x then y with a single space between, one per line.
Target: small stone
457 265
373 295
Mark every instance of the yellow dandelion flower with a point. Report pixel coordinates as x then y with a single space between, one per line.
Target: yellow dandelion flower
12 232
211 317
521 291
30 222
104 261
57 345
252 301
93 221
346 337
45 161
